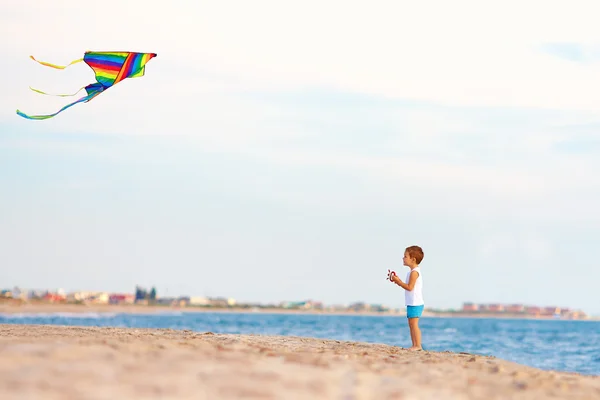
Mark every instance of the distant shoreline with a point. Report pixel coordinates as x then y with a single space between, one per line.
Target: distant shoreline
42 308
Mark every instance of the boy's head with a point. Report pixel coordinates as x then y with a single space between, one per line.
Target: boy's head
413 255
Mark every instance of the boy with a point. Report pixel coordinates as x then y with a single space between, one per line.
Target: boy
413 294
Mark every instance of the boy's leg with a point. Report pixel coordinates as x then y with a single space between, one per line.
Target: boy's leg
412 332
415 332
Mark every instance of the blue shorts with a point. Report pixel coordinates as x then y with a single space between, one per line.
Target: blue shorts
414 311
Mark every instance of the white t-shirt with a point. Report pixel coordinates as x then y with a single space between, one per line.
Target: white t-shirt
414 297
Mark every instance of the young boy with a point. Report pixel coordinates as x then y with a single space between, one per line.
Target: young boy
413 294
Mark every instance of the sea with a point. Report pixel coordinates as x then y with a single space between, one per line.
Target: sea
560 345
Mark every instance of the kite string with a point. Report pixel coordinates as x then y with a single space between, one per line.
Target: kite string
54 65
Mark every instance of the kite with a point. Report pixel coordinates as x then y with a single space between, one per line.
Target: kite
110 67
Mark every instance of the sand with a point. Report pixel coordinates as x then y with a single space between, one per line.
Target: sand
56 362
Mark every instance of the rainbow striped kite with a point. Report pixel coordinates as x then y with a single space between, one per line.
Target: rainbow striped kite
110 67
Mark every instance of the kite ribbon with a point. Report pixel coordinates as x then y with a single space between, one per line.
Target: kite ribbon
56 66
58 95
81 100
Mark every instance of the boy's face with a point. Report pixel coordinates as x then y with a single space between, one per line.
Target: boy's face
406 259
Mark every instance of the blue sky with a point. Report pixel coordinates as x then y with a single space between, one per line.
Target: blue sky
294 155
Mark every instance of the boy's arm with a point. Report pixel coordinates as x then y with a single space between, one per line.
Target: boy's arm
411 281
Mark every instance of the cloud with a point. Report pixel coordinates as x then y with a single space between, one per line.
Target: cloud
575 52
568 51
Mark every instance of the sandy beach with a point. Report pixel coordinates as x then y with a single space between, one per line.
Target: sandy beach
56 362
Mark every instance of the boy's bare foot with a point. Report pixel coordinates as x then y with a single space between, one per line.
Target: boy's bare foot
415 348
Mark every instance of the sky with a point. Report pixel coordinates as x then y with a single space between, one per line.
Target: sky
285 151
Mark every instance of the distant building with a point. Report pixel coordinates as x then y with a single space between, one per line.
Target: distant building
336 308
470 307
35 294
379 308
88 297
17 293
199 301
291 304
167 301
183 301
575 315
515 308
121 298
221 302
100 298
533 310
302 305
55 297
359 306
550 311
495 307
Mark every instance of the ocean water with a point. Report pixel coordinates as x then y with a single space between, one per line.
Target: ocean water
559 345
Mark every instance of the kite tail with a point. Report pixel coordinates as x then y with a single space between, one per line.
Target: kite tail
40 117
56 66
58 95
